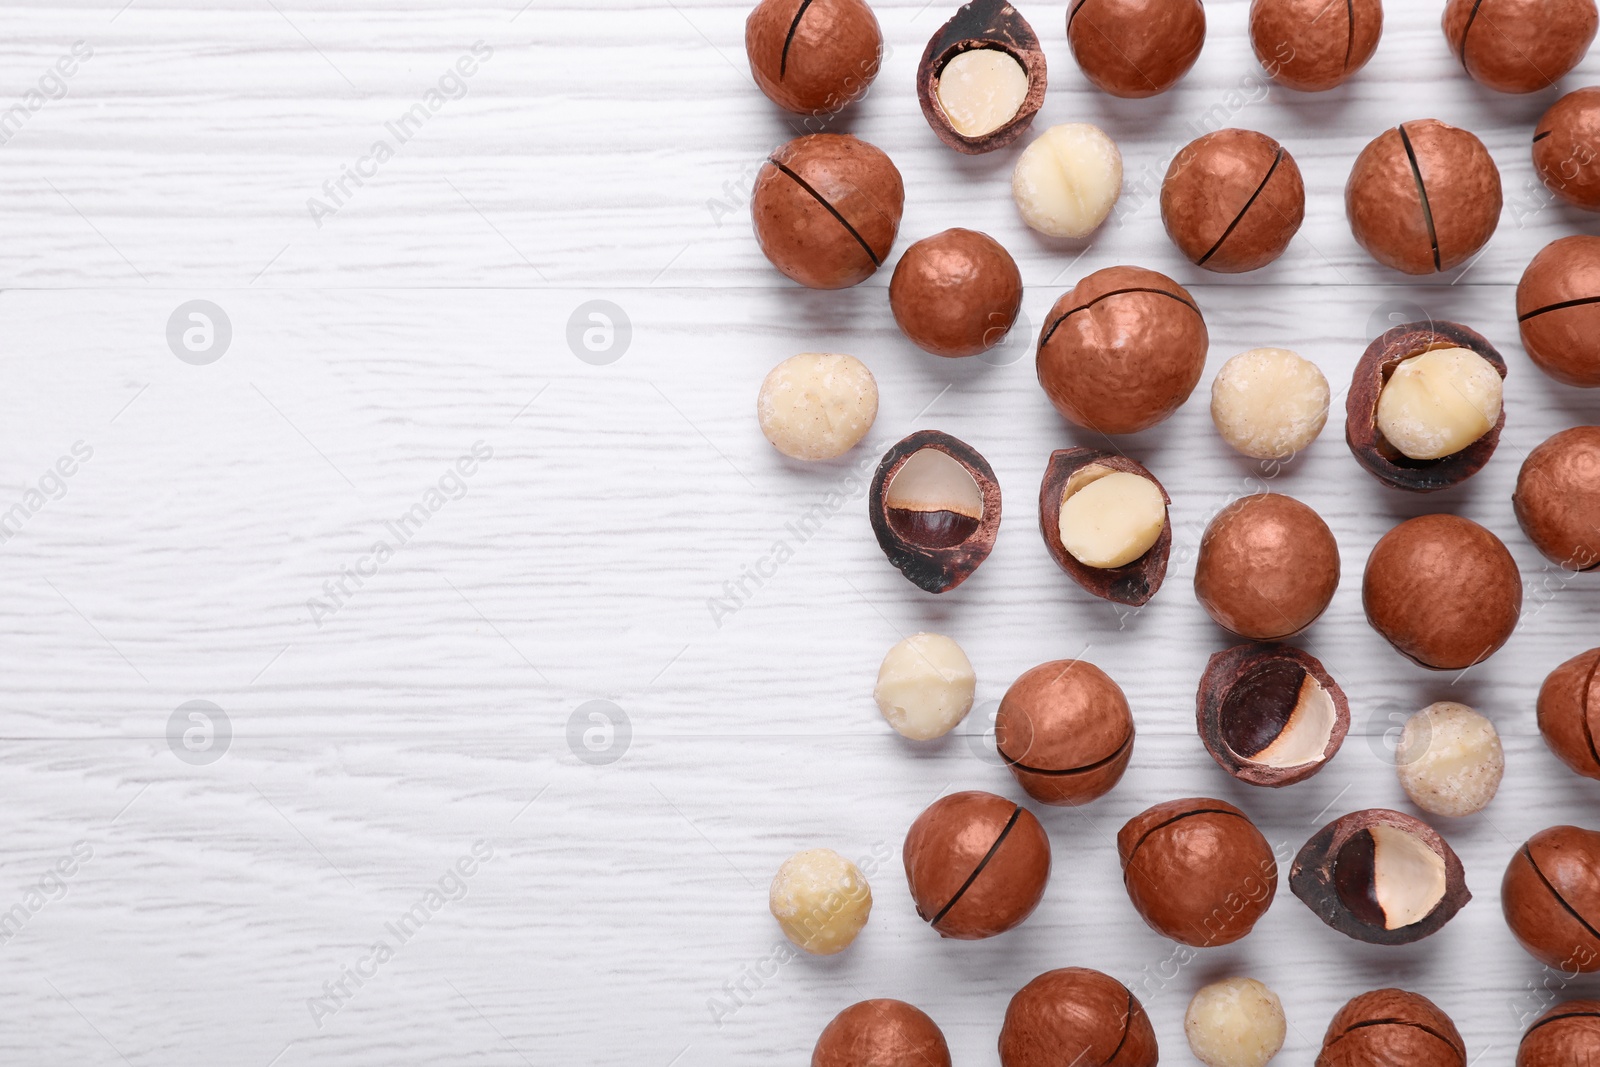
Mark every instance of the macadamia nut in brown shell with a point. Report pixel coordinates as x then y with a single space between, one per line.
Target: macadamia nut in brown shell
1270 715
1078 1017
1233 200
1558 310
1268 567
1136 48
1519 46
1311 45
956 293
1557 499
881 1033
1392 1026
813 57
1569 713
1566 148
982 77
1065 730
1551 898
977 865
1567 1035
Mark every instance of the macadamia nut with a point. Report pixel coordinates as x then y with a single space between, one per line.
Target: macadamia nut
1068 180
1269 403
1437 403
1237 1022
1111 518
1449 759
817 406
981 90
821 900
925 686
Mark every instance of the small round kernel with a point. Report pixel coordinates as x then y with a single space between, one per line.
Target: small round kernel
1269 403
1449 759
1437 403
817 405
925 686
1067 181
981 90
1112 520
1237 1022
821 900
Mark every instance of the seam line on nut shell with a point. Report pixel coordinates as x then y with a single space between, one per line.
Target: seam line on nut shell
1365 1023
1074 13
819 198
1534 866
1547 1020
1127 1028
794 27
1050 332
1175 819
1016 814
1472 16
1350 32
1248 204
1086 768
1561 306
1422 194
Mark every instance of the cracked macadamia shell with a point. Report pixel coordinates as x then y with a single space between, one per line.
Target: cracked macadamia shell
1269 403
1558 310
982 77
977 865
1311 45
1069 473
1519 46
1122 350
881 1033
821 901
1551 898
813 57
1268 567
1233 200
956 293
1066 731
1078 1017
817 405
1566 148
925 686
1423 197
934 506
1443 591
1135 48
1237 1022
1449 759
1569 713
1568 1035
1557 499
1392 1027
1270 715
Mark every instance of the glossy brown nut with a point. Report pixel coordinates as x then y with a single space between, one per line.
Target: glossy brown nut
1569 713
1568 1035
1310 46
1380 458
1133 583
826 209
1079 1017
813 57
1233 200
1392 1026
1551 898
1065 730
956 293
1558 310
1197 870
881 1033
1268 567
1557 498
993 24
1519 46
938 538
1443 591
1423 197
1122 350
1136 48
1564 148
977 865
1344 875
1260 708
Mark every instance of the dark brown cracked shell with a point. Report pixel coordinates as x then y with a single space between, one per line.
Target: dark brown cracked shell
1066 731
1568 1035
1569 713
982 24
935 538
1076 1017
1551 898
1381 459
1347 875
1392 1027
1132 583
1233 200
1262 709
977 864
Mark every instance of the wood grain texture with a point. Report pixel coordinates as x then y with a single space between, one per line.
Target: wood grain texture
605 551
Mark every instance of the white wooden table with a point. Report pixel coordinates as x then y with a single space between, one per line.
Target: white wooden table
381 711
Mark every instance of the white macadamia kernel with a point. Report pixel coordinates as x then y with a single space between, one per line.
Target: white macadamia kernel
1305 738
1437 403
925 686
1237 1022
817 405
981 90
1269 403
821 900
1449 759
1067 181
1110 518
1408 877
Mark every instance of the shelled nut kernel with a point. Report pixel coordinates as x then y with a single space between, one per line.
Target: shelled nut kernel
1380 876
1233 200
1566 148
1551 898
881 1033
956 293
813 57
925 686
1111 539
1065 730
982 77
1392 1026
1518 46
1112 520
1569 712
1309 46
817 405
1558 310
1268 567
1423 197
821 901
1237 1022
1557 499
1270 715
1067 181
1565 1036
1078 1017
1269 403
1449 759
1136 48
977 865
1437 403
934 506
